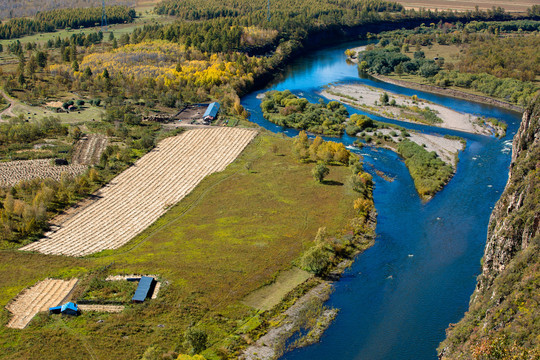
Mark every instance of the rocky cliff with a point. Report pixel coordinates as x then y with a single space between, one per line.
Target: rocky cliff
503 321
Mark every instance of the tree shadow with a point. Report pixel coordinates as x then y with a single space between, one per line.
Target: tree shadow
332 182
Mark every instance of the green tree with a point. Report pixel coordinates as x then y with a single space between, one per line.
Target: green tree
320 171
88 73
384 98
41 58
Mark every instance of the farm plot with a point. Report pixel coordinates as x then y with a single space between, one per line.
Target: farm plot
141 194
40 297
88 150
14 171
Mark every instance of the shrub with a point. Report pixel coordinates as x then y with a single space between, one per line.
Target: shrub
320 171
196 340
316 260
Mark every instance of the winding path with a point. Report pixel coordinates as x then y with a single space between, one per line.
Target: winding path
9 110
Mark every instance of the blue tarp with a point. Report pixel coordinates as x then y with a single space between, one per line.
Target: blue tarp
212 110
68 308
145 285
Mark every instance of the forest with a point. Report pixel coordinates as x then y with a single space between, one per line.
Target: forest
16 8
286 109
504 67
48 21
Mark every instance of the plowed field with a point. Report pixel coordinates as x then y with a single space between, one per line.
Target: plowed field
88 150
14 171
40 297
141 194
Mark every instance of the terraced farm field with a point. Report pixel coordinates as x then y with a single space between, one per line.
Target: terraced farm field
88 150
14 171
141 194
40 297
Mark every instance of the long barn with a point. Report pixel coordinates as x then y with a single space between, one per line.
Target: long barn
144 290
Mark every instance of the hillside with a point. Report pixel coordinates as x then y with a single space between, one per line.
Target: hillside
502 321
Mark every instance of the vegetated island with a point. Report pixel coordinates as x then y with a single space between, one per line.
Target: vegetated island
411 109
286 109
431 159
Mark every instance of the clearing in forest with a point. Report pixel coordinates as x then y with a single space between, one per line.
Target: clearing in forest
40 297
140 195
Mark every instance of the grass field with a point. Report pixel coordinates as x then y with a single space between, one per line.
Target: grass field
463 5
211 250
268 296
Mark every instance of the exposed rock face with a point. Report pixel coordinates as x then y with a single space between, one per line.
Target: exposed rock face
505 306
507 234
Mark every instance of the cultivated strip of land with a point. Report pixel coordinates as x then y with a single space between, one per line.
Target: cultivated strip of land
13 172
141 194
88 150
40 297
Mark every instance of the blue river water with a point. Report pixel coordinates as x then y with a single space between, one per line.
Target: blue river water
400 295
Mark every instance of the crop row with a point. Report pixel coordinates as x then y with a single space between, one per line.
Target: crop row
45 294
141 194
13 172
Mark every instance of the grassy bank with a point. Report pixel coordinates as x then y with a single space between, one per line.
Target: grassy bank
211 250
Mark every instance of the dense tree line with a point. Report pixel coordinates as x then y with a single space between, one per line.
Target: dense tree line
496 65
286 109
508 57
326 9
26 207
16 8
48 21
18 131
387 60
293 20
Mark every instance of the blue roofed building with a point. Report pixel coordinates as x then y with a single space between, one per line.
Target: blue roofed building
211 112
144 290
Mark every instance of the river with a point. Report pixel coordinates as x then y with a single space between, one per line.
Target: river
400 295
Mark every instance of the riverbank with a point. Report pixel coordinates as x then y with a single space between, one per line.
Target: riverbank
449 92
404 108
447 149
352 54
307 315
